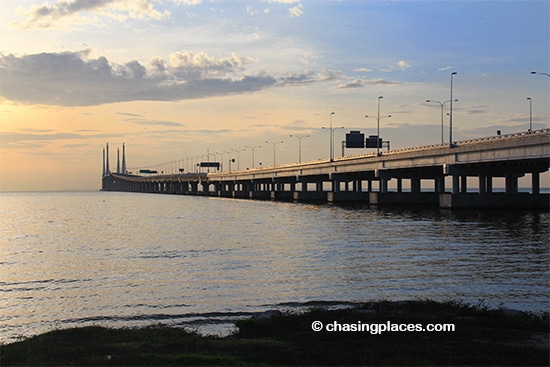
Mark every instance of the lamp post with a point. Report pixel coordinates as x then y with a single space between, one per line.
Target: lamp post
378 117
221 161
451 112
224 152
378 128
333 130
230 159
536 72
378 136
197 164
442 104
258 146
238 157
331 136
274 143
530 113
299 137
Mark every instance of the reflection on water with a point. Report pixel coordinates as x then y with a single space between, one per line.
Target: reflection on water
129 259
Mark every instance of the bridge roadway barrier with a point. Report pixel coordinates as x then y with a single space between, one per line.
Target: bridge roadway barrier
437 175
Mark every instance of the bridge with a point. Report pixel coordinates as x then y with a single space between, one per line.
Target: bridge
461 175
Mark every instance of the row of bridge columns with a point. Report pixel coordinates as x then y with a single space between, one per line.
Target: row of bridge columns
370 188
459 185
485 183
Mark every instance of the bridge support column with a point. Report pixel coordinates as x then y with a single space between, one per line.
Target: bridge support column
440 184
357 185
464 184
456 184
384 184
489 184
336 186
194 187
535 182
279 190
482 184
319 186
317 194
512 183
415 185
238 190
399 184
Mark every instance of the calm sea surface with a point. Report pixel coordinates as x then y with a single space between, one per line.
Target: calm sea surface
122 259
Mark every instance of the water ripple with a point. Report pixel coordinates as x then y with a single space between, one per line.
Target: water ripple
123 259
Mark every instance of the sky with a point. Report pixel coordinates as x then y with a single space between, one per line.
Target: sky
182 81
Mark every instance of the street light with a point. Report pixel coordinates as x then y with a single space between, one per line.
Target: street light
258 146
378 136
331 136
378 126
530 113
238 157
441 104
221 162
535 72
299 137
451 112
274 143
332 140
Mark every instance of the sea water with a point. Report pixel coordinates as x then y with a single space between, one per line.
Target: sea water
123 259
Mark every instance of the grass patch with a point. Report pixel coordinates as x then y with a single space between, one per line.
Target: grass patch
481 337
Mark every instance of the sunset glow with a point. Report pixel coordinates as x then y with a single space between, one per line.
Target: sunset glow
174 79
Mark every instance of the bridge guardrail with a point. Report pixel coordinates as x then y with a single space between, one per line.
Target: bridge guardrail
373 154
446 145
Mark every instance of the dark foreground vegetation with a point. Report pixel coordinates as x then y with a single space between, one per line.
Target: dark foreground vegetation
481 337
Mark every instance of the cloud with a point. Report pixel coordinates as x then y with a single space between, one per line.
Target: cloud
363 70
142 121
251 11
74 79
295 11
359 83
189 65
138 119
403 65
129 114
446 68
36 138
46 15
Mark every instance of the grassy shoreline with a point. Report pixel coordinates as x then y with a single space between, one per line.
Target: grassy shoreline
481 337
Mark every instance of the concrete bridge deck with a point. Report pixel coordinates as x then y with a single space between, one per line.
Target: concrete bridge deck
418 175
